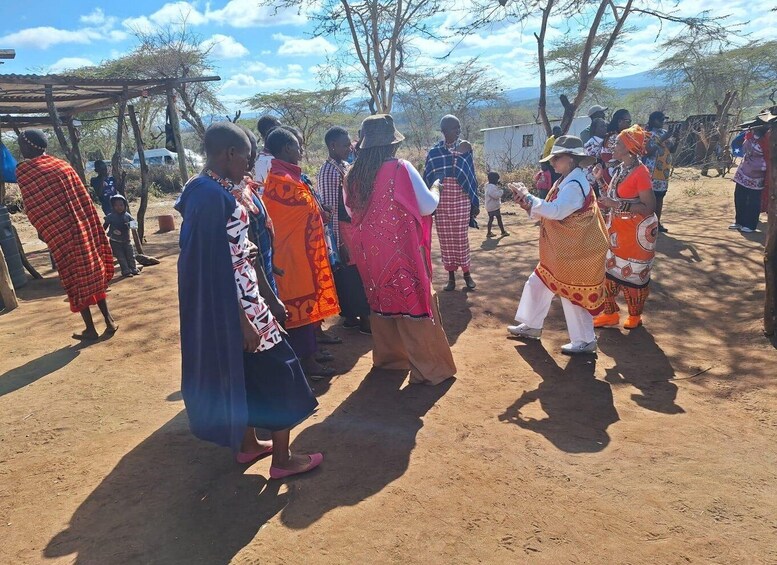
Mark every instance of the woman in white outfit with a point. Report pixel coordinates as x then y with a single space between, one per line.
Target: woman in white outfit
573 247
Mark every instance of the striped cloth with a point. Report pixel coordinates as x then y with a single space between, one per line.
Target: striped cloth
59 207
452 221
329 185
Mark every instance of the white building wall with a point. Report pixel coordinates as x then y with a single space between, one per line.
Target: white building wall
503 147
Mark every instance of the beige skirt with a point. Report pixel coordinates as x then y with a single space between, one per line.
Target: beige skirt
417 345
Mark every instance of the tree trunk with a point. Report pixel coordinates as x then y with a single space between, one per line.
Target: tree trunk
770 248
116 165
541 107
25 261
176 125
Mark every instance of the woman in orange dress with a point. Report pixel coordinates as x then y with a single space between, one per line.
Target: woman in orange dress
307 285
632 225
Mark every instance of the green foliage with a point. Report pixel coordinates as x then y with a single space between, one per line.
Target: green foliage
312 112
702 72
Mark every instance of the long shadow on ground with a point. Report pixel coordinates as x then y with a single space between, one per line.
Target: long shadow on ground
633 352
187 502
578 407
38 368
378 423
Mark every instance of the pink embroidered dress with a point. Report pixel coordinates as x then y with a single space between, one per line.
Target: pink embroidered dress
391 243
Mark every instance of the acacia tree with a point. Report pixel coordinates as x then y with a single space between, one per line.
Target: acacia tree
378 34
602 24
462 89
308 111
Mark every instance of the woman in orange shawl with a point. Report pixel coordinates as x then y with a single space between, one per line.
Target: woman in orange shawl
633 227
307 285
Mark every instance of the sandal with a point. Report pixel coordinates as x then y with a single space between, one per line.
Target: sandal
327 339
320 373
315 461
83 336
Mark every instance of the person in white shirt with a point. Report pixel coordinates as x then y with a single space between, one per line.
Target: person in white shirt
264 126
573 247
494 203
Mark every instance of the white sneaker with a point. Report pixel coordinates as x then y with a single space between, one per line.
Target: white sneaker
735 227
576 349
522 330
746 230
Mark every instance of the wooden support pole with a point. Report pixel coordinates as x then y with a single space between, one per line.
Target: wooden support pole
25 261
7 292
55 121
770 247
175 123
116 164
143 179
75 150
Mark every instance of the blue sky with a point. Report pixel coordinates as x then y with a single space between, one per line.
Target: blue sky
255 50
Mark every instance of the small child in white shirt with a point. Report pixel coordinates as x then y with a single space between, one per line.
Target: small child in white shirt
494 203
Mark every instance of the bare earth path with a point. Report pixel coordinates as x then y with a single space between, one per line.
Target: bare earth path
661 450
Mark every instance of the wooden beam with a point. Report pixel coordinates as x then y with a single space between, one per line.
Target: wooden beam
143 178
63 80
76 159
7 292
175 123
56 123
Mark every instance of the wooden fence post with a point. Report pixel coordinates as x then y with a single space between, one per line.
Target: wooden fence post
7 291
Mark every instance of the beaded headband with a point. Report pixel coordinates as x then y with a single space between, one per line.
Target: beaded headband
30 143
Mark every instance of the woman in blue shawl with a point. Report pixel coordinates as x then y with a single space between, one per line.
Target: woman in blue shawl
239 372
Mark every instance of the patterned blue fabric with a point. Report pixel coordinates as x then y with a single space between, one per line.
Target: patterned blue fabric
263 240
441 163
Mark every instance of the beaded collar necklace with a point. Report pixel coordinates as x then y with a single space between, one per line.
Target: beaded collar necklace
226 183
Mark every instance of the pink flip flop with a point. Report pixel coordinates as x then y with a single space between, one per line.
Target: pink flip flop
315 461
244 458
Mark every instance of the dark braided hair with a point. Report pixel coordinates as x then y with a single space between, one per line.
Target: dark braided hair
360 180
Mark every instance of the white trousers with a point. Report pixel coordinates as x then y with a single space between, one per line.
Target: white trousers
535 304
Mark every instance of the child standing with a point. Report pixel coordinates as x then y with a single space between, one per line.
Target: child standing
543 181
494 203
118 225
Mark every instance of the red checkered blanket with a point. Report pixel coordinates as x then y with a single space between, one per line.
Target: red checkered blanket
59 207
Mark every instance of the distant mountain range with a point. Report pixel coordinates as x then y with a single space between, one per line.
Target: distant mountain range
646 79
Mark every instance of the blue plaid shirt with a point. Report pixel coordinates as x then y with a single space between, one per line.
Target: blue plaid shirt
441 163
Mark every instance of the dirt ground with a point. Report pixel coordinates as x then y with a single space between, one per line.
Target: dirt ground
659 450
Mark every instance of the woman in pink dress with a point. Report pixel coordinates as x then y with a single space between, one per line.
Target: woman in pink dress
390 208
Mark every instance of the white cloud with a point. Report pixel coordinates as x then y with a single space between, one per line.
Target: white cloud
247 13
225 47
172 13
303 47
69 63
96 18
45 36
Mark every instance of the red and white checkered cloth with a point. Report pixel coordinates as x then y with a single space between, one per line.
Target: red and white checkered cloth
59 207
452 221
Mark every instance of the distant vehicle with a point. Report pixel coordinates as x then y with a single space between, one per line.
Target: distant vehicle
164 158
126 163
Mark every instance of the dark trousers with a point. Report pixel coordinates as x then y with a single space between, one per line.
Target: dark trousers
124 254
747 203
498 215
